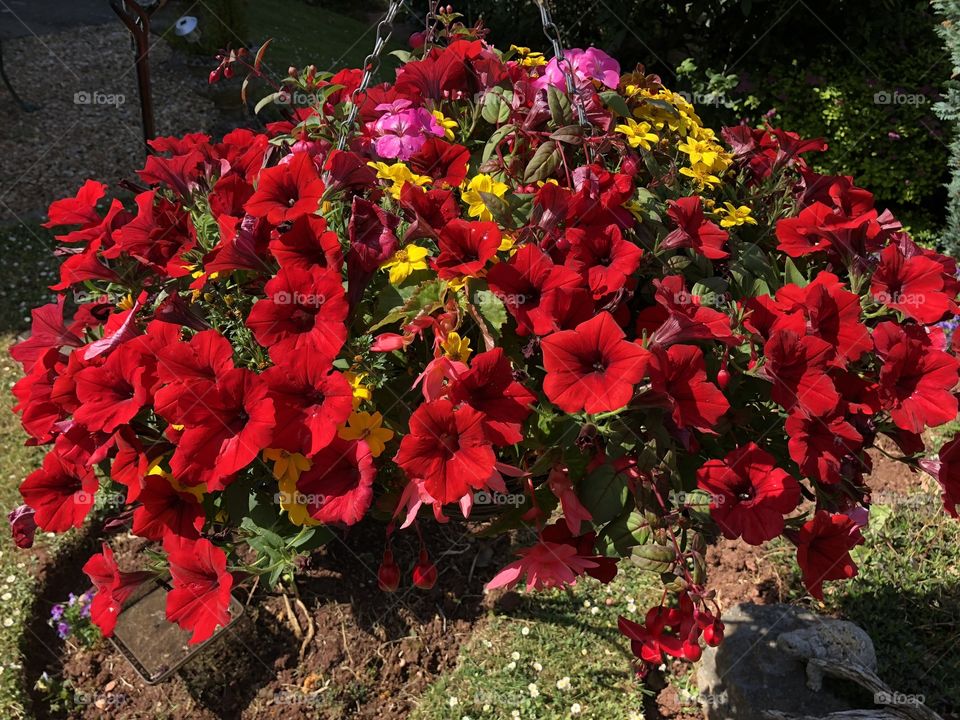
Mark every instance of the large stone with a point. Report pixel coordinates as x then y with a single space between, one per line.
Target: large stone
749 673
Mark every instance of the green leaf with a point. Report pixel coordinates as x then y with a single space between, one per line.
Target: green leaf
570 134
604 493
269 99
495 108
498 207
258 60
403 55
491 308
424 300
613 100
543 163
792 274
495 139
559 105
654 558
627 531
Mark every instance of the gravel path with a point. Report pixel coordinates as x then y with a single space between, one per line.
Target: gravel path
88 124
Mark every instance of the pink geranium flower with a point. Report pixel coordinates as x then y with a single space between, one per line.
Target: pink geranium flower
403 129
589 64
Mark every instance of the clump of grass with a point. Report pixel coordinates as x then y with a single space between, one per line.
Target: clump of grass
558 655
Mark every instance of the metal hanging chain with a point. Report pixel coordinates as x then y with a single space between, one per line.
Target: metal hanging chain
371 64
552 32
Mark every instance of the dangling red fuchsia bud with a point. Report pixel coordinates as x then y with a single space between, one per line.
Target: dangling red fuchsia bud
424 572
388 574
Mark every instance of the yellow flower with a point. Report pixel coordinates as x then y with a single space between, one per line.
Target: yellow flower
701 175
638 134
291 500
507 243
735 216
369 427
405 261
286 465
456 347
398 175
482 184
446 123
361 392
700 151
527 57
155 469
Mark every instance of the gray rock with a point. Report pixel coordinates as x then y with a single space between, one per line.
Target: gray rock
750 673
829 639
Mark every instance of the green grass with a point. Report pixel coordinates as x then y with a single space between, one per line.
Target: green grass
27 269
906 595
559 655
303 34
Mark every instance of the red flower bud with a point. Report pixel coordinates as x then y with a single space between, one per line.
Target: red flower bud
723 378
424 572
713 633
388 574
418 40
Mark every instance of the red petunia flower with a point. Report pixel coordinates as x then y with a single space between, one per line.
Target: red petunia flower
47 331
488 386
916 379
310 401
912 285
200 598
164 510
60 492
307 244
113 393
224 430
338 487
445 162
679 317
448 449
680 373
372 242
829 312
159 237
592 368
821 445
602 257
431 210
947 473
693 230
750 494
465 248
303 312
288 191
531 286
823 550
797 366
113 588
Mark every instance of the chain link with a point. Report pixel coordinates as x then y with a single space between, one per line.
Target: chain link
371 64
552 32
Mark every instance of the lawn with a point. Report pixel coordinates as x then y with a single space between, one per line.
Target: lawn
27 268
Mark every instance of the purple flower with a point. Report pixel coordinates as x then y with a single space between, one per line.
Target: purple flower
63 630
56 612
22 525
589 64
403 129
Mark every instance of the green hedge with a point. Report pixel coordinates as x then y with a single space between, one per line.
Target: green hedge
949 111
